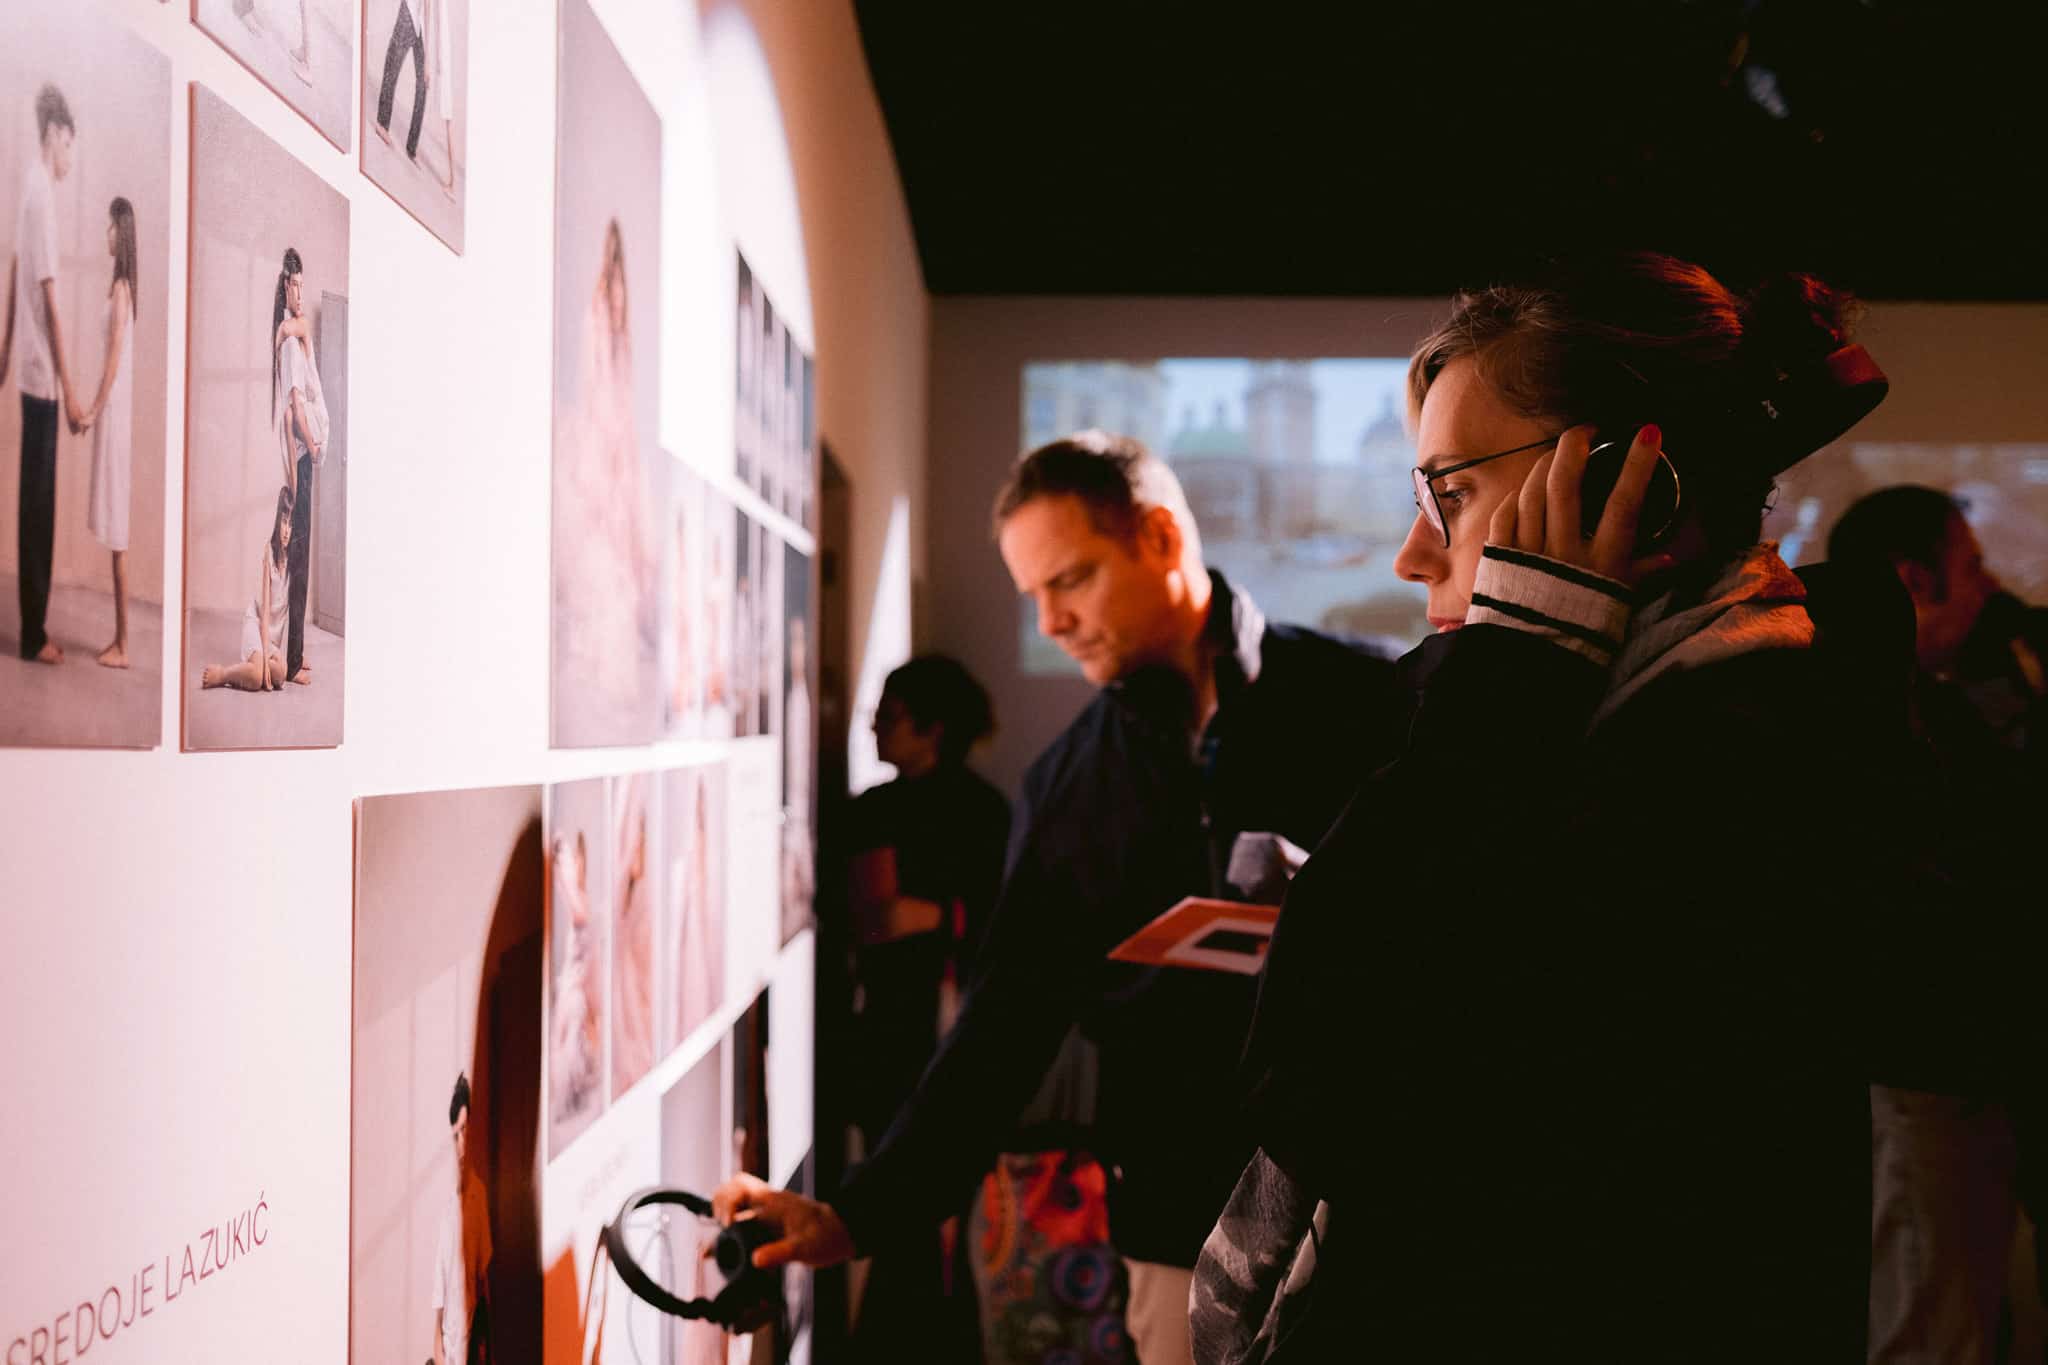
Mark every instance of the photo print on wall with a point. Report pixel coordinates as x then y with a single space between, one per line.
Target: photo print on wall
607 562
635 862
579 886
774 418
755 678
696 606
695 1157
445 1105
416 108
693 886
799 744
304 50
85 196
266 445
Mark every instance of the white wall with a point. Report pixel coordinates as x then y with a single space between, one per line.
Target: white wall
175 934
1960 373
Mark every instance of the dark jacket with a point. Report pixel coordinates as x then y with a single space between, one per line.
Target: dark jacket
1123 816
1571 1029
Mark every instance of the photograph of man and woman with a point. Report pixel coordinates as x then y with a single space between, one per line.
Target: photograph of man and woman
85 168
605 669
416 108
304 50
443 1109
266 538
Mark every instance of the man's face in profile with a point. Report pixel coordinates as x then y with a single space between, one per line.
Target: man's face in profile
458 1133
1104 599
1946 607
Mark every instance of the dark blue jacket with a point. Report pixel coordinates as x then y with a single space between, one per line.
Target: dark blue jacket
1125 814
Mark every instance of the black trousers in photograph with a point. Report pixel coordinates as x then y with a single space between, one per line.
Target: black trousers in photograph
36 519
404 38
297 558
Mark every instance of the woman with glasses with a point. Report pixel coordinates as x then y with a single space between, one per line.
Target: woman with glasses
1552 1055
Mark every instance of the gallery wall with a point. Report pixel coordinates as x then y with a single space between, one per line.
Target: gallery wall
1961 374
177 942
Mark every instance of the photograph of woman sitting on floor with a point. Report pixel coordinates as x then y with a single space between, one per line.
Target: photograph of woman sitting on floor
263 625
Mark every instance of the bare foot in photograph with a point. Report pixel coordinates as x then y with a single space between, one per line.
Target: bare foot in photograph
214 675
302 65
49 653
250 19
113 656
304 677
382 132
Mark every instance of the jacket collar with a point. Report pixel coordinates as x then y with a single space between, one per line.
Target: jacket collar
1234 636
1754 603
1236 630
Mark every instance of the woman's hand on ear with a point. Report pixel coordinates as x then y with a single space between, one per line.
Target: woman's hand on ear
1543 518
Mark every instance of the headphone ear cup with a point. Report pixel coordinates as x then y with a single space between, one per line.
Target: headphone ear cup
1661 500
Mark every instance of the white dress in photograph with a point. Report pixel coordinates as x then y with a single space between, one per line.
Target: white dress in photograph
106 508
256 632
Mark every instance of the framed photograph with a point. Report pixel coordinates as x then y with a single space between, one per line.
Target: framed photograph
266 443
605 688
85 197
693 888
304 50
799 744
636 861
416 108
775 420
579 869
695 1156
444 1111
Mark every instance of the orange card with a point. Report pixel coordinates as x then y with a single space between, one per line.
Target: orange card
1213 935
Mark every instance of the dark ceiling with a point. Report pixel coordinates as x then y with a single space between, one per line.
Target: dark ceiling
1896 146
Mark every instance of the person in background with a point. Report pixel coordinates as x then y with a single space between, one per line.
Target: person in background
1593 997
1958 1147
1209 722
926 861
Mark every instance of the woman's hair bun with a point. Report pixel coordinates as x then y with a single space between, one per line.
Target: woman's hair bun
1795 319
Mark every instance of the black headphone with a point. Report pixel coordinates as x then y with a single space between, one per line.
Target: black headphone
747 1287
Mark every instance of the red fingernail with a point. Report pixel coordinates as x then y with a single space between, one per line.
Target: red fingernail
1651 435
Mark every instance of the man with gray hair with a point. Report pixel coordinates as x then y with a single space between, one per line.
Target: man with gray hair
1211 723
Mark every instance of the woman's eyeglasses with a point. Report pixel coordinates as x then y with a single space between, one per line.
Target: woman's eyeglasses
1425 485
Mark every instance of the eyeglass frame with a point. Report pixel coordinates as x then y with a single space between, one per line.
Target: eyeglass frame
1425 479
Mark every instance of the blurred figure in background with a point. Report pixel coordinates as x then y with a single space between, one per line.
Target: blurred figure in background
1958 1143
927 862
